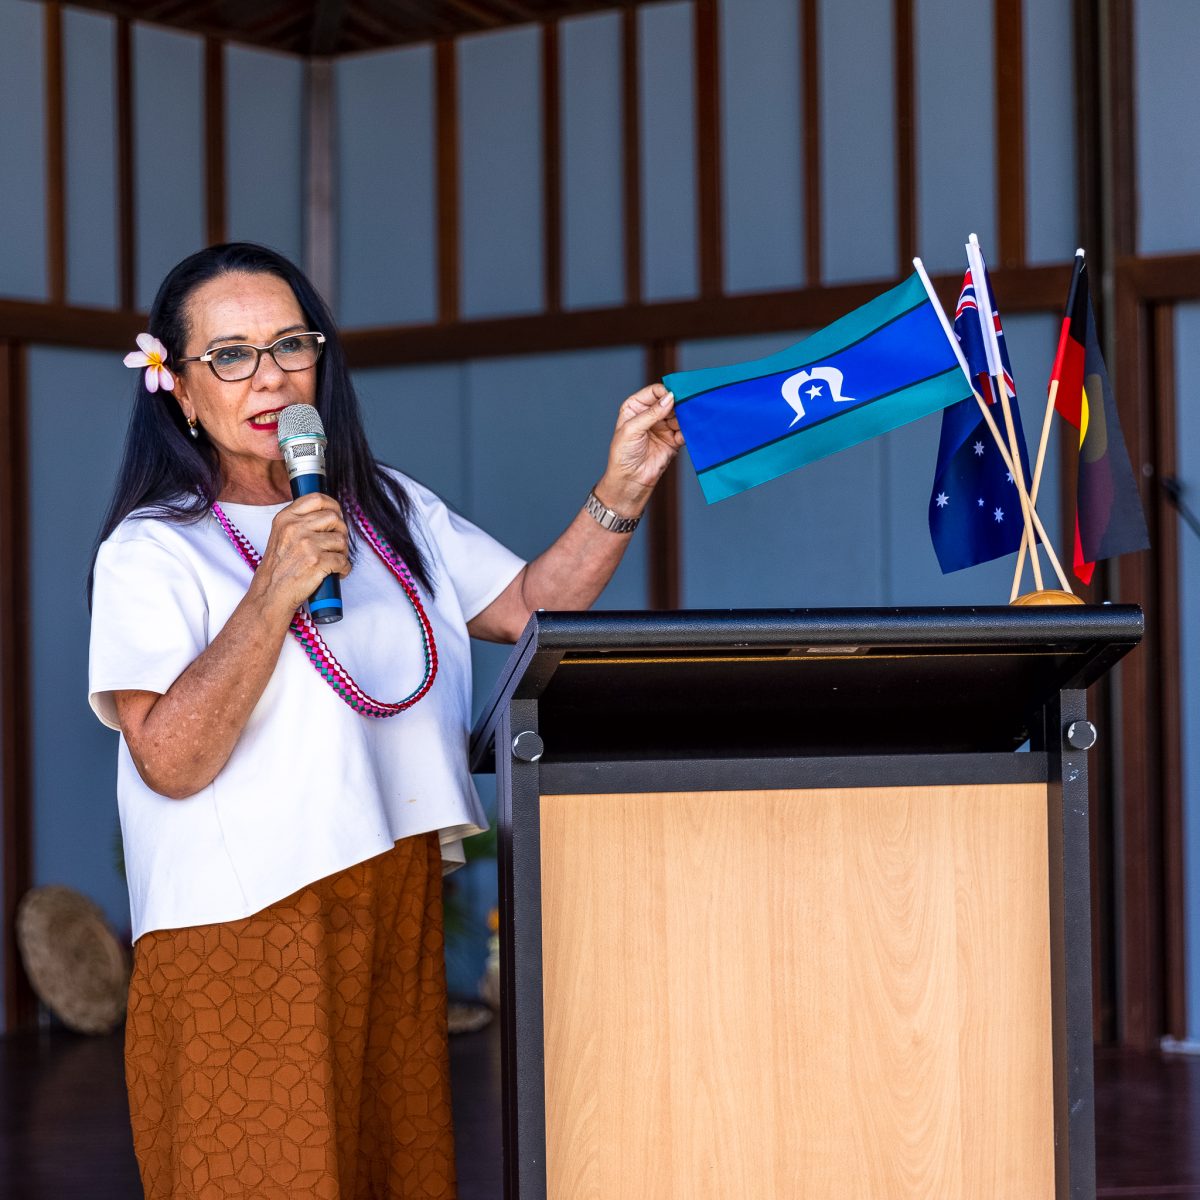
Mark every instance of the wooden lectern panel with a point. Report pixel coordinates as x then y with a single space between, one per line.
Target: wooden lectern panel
820 994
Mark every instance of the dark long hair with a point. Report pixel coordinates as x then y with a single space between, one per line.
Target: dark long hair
168 474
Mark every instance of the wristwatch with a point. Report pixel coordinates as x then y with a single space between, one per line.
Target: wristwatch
607 519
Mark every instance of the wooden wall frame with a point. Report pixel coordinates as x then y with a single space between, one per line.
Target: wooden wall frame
16 735
1134 294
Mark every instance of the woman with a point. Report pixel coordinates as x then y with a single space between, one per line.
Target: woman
284 832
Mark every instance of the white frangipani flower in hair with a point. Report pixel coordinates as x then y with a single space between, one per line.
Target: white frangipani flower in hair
152 356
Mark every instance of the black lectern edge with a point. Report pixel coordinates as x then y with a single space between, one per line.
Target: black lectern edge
1098 635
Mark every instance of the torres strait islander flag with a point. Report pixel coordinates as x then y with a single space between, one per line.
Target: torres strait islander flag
1108 516
877 368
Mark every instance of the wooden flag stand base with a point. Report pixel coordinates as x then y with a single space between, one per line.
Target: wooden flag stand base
1047 596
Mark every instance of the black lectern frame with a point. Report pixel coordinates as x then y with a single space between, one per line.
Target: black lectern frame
951 695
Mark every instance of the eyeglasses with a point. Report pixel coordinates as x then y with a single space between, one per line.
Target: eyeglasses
296 352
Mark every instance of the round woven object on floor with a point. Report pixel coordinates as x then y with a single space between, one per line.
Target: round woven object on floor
74 962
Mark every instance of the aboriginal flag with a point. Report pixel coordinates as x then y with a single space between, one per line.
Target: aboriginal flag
1108 514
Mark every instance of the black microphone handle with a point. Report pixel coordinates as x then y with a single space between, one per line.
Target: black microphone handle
325 604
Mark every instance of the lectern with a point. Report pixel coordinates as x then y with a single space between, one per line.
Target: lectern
796 903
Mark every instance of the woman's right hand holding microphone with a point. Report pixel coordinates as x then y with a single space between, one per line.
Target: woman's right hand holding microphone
309 540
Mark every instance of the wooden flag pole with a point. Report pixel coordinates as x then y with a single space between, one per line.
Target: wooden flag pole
987 322
983 408
1051 399
1037 483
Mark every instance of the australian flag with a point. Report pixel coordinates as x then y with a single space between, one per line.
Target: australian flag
974 508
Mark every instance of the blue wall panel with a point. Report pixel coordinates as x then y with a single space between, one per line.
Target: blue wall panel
666 108
264 141
1166 34
89 43
1053 227
956 139
1187 470
387 234
858 141
416 421
22 153
761 172
514 444
592 161
811 538
72 464
500 176
168 156
538 430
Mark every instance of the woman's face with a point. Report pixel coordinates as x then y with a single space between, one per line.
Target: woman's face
241 418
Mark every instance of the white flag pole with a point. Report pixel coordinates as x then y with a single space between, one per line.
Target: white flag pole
987 322
948 329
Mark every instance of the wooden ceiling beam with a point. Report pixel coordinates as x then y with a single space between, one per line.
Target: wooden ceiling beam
323 28
326 30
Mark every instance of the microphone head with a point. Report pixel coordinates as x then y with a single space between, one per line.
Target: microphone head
302 442
300 421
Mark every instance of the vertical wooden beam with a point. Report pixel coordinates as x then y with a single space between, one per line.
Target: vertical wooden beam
811 117
1009 49
632 148
15 733
320 230
1138 778
1136 724
1089 136
663 548
1170 677
56 158
126 197
551 167
1088 74
708 148
446 118
214 140
906 136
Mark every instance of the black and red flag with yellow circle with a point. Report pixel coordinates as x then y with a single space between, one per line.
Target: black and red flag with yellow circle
1108 511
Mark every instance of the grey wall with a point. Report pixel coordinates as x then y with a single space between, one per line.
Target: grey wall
22 152
264 141
78 401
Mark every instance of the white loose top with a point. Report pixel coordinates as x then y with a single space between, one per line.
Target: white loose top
311 787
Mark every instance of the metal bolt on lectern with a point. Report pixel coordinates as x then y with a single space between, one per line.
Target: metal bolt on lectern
1081 735
527 746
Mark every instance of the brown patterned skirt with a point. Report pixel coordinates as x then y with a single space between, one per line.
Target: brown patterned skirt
300 1052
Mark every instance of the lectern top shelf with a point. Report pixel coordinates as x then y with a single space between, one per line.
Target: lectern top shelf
762 682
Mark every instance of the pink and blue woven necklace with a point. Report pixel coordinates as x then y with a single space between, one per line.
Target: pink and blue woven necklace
304 630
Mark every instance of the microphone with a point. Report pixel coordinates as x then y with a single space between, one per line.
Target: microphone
302 440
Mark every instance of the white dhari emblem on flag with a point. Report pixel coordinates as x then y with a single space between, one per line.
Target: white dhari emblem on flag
820 381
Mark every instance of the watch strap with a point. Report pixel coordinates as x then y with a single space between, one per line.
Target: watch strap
606 518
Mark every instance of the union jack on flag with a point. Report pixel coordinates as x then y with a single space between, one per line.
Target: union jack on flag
969 331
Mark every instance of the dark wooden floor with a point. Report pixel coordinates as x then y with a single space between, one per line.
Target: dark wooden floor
64 1130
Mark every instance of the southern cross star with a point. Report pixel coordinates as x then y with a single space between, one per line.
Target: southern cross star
942 500
999 514
978 449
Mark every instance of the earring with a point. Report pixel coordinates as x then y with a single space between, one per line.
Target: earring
192 428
